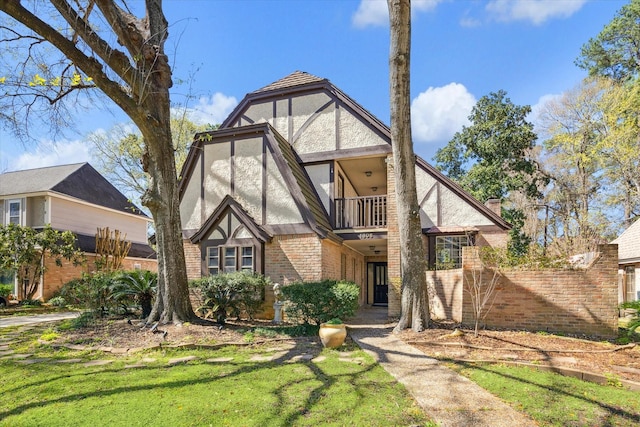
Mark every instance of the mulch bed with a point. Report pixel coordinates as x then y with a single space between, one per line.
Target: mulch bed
447 342
440 341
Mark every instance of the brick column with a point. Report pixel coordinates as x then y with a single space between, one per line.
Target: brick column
393 244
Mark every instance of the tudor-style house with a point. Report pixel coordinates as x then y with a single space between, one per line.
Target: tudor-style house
297 184
73 198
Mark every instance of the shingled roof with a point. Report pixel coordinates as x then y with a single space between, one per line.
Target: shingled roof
79 180
629 243
297 78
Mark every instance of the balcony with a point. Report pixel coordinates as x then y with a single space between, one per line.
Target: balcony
361 212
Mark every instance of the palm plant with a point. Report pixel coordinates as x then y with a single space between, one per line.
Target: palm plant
139 286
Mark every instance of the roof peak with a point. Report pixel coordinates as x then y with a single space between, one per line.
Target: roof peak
297 78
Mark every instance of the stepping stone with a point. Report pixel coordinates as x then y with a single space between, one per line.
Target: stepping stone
68 361
119 350
179 360
4 347
258 358
20 356
31 361
75 347
97 363
319 359
105 349
300 357
219 360
6 352
358 360
509 356
148 360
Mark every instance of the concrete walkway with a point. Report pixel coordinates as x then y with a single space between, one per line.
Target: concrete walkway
447 397
14 320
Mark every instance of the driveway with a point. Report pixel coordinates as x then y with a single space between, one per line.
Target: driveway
5 322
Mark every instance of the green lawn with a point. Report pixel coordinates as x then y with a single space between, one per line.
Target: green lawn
240 392
556 400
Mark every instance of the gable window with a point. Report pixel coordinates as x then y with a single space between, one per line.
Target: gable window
230 258
213 260
448 251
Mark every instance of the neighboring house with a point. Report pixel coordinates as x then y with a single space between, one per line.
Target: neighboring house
629 263
78 199
298 184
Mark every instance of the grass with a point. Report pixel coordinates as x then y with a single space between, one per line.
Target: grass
241 392
556 400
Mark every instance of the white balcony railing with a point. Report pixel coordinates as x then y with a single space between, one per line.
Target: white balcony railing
361 212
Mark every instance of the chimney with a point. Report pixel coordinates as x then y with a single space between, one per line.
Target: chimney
494 205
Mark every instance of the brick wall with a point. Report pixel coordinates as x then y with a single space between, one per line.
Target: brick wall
393 245
582 301
55 276
193 259
445 294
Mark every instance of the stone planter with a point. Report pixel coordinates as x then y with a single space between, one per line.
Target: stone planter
332 336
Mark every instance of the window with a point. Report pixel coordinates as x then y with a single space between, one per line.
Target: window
630 273
246 263
213 260
230 259
449 251
14 212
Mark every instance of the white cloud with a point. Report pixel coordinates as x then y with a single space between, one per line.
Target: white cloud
212 110
375 12
536 11
438 113
48 153
537 110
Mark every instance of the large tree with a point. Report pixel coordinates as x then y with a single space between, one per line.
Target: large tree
615 51
492 158
105 46
415 299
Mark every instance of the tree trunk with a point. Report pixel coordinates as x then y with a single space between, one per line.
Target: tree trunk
138 81
415 300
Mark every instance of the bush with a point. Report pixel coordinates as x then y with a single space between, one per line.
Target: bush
57 301
318 302
91 291
135 287
231 294
5 290
30 303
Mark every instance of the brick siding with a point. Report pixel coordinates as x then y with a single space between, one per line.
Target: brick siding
577 301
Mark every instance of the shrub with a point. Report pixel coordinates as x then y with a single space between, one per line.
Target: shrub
319 302
231 294
91 291
57 301
137 287
5 290
31 303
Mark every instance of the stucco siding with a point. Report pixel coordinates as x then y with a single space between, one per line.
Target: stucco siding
321 180
260 113
217 178
248 176
453 209
191 203
281 208
85 219
281 121
356 134
319 135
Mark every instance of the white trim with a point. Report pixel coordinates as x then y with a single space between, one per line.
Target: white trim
73 199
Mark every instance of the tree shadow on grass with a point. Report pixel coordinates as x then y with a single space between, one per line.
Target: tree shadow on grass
610 410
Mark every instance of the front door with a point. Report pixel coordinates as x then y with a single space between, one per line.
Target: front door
380 285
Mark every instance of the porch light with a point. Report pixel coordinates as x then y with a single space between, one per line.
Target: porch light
376 252
368 173
374 189
371 248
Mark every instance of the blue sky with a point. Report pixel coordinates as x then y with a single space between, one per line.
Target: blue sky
461 51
